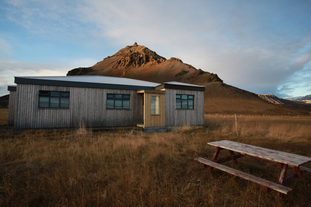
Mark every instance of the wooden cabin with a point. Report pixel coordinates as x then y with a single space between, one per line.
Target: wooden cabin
102 101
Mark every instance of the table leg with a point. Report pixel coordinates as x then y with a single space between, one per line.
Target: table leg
282 178
283 174
298 172
216 154
215 157
233 157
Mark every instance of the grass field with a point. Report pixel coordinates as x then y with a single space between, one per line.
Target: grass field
132 168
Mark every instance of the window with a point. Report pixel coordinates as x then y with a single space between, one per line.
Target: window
155 105
184 101
53 99
118 101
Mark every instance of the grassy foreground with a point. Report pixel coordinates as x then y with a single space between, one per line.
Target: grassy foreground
132 168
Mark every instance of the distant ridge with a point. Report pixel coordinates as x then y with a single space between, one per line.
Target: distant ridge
276 100
270 98
305 99
139 62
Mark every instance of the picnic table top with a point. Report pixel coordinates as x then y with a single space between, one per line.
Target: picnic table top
263 153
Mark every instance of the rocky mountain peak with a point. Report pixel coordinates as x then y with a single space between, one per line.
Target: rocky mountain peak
139 62
137 56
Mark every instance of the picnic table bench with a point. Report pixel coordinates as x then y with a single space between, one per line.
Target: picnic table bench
237 150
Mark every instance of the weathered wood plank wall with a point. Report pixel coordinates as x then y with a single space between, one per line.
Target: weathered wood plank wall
87 107
154 120
12 103
180 117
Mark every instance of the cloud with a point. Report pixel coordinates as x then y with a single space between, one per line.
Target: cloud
9 69
261 46
298 84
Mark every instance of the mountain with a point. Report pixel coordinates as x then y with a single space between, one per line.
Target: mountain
4 101
304 99
139 62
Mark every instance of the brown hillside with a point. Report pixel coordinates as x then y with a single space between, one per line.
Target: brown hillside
139 62
4 101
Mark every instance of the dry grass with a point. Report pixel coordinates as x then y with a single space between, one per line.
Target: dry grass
132 168
4 113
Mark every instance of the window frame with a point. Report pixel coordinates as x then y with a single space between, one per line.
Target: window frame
124 98
56 95
188 100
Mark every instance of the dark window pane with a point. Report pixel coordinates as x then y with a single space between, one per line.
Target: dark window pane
178 96
126 104
126 96
64 102
118 101
54 93
178 104
53 99
190 97
118 96
184 96
110 104
54 102
190 104
110 96
44 102
118 104
65 94
184 104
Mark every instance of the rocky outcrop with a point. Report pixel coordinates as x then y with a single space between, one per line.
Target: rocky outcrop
270 98
79 71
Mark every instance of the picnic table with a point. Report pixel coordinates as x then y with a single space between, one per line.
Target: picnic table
283 160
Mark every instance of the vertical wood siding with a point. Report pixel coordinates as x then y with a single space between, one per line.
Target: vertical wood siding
12 103
87 107
154 120
180 117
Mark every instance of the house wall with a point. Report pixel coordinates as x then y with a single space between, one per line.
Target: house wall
12 103
154 120
87 106
180 117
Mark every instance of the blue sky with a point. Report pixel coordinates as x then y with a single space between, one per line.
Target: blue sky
260 46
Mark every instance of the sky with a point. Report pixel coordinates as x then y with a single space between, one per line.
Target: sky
260 46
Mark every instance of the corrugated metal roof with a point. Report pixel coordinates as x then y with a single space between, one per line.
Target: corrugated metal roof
94 79
183 84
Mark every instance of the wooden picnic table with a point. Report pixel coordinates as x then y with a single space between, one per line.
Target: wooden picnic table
282 159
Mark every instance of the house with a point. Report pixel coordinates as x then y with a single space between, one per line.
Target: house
102 101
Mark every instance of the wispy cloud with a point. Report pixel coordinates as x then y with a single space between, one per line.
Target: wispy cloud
262 46
9 69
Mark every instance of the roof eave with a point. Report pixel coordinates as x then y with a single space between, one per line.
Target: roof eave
180 87
19 80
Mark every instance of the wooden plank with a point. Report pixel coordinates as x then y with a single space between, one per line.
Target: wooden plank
157 120
269 184
263 153
305 169
12 103
180 117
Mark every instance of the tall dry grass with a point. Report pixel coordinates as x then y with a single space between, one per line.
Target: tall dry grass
4 113
132 168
